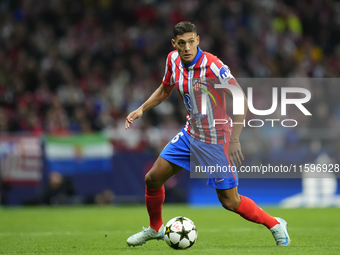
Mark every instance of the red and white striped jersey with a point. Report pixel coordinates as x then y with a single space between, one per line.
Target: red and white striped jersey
194 82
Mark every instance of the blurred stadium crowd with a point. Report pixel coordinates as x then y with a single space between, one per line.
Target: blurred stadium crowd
80 66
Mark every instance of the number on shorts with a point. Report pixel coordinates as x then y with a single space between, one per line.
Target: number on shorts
175 139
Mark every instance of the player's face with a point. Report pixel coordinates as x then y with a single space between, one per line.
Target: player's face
186 45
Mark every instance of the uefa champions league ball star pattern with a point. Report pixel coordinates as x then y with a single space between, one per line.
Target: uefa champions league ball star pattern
180 233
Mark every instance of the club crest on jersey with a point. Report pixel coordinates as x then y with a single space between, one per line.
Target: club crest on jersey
198 86
204 87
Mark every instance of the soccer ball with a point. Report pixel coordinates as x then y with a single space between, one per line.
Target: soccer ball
180 233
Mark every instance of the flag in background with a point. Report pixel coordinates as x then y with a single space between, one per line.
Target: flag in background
21 159
78 154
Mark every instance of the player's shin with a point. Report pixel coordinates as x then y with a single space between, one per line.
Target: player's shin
250 211
154 199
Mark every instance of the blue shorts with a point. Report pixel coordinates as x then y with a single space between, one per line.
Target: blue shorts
190 153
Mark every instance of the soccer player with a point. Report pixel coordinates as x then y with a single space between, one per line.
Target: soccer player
190 69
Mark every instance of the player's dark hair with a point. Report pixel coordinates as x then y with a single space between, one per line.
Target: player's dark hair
184 27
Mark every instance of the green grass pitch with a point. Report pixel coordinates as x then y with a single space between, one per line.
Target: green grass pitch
104 230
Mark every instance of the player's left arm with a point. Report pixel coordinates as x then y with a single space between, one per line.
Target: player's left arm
235 152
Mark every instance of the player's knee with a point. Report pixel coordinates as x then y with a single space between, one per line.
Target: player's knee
231 204
148 179
151 181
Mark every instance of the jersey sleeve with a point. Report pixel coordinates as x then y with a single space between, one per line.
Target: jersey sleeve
225 75
168 73
222 72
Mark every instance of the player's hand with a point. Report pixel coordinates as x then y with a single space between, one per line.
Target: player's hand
235 153
132 116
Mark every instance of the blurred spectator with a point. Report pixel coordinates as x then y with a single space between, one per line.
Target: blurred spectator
4 189
59 191
105 197
80 66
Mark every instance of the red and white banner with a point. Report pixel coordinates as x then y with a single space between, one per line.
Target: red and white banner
21 159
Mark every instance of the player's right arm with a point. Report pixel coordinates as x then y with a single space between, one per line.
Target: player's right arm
162 93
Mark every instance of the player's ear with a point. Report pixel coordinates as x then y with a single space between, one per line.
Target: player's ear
198 39
173 42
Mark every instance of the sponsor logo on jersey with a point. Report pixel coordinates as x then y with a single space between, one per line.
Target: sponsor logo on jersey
226 75
188 102
190 108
